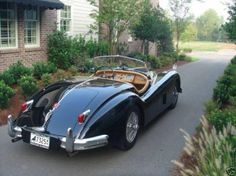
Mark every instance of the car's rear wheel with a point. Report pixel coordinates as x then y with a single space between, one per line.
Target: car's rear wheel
175 95
130 130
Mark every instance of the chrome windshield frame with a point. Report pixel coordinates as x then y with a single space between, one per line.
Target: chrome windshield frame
122 57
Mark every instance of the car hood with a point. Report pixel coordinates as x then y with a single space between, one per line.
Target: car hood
89 95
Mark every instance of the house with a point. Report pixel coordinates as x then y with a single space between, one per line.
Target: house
25 24
75 18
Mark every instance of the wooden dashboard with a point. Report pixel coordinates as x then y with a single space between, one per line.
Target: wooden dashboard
139 80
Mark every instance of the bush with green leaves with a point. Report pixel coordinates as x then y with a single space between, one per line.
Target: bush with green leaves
41 68
6 93
166 60
223 90
220 118
65 51
46 78
154 61
28 85
17 70
60 49
233 61
7 77
187 50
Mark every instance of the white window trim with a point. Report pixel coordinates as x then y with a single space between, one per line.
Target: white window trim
37 45
70 32
16 32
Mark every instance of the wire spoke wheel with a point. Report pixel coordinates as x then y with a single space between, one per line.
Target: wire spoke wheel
132 127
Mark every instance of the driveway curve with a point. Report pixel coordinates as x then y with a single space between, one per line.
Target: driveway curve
158 144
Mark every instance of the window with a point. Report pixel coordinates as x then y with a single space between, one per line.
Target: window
7 25
65 20
31 27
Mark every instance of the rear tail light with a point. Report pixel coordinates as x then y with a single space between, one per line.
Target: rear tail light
25 106
82 117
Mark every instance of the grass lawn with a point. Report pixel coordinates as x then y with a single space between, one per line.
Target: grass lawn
206 46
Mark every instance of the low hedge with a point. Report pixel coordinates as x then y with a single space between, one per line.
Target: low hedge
28 85
6 93
41 68
15 72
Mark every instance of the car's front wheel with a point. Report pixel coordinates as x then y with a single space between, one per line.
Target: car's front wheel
130 130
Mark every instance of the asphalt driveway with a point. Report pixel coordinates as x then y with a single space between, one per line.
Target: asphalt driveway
160 142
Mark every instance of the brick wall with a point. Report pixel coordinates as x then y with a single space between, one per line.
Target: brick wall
28 56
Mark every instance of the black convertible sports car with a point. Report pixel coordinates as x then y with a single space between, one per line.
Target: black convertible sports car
109 107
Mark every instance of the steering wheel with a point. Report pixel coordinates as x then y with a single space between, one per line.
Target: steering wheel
104 69
124 66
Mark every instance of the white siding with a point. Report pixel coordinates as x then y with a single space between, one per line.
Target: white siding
81 20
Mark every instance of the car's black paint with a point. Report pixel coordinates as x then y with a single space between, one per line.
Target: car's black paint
91 95
109 102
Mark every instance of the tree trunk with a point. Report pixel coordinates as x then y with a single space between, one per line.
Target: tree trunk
177 35
146 48
110 40
142 46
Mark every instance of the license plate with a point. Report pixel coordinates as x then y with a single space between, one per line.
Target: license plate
39 140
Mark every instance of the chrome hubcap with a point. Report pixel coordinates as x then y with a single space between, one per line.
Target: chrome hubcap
132 127
175 94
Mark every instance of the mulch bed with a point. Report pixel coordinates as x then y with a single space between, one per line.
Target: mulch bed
18 98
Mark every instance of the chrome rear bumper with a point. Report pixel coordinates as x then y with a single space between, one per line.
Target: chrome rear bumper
13 131
71 145
68 143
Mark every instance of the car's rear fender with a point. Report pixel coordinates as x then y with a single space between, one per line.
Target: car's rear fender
109 118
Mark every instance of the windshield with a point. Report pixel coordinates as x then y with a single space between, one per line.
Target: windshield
119 62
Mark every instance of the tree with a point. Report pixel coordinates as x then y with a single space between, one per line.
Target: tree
115 16
209 25
153 26
190 33
230 26
181 17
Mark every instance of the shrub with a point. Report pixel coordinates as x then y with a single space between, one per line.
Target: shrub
60 50
211 153
103 48
46 78
5 94
223 90
122 48
28 85
18 70
7 77
166 60
233 61
86 65
220 118
211 106
73 70
187 50
64 51
41 68
61 74
154 61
